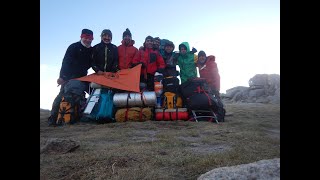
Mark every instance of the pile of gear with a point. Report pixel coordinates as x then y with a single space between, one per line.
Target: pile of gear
192 100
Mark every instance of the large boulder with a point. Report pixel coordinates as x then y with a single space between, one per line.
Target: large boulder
263 170
263 88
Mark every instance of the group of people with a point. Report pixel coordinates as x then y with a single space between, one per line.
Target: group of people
107 57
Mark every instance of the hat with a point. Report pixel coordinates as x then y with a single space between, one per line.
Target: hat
201 53
169 43
106 31
86 31
149 37
127 32
157 38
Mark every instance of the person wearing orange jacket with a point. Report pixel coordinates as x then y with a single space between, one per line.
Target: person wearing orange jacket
208 69
151 61
126 50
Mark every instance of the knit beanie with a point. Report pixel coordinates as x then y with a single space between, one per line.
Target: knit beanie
106 31
126 32
202 53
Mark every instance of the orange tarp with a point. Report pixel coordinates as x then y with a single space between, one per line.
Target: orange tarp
125 79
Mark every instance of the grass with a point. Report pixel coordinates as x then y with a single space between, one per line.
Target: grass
163 150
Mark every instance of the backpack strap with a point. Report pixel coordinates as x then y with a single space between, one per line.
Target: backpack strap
128 97
126 115
140 115
163 113
142 97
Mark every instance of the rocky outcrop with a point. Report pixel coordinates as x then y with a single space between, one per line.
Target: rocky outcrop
262 170
263 88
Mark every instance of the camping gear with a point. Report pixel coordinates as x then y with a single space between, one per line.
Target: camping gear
193 86
133 114
203 115
125 79
171 114
171 84
197 95
105 106
100 107
171 100
159 102
158 88
92 101
69 110
143 99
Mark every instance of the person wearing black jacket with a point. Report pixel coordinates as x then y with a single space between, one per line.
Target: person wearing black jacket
105 54
76 63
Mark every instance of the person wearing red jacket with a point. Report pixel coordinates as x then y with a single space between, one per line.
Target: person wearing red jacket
151 61
208 69
126 50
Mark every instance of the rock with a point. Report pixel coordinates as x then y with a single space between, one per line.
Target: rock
260 170
59 146
263 88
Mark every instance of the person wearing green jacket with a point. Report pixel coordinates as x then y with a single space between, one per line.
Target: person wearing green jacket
186 62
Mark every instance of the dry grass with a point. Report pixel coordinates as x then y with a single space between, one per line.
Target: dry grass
163 150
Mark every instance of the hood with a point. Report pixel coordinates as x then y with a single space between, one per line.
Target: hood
187 45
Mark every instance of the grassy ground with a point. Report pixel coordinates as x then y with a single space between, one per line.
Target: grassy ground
163 150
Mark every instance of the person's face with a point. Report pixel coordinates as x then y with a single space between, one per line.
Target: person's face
106 38
201 59
156 43
87 41
149 43
168 49
183 50
127 39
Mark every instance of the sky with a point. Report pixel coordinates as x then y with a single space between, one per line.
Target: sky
243 35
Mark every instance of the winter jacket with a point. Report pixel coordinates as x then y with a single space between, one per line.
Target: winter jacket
170 59
76 62
112 57
209 71
126 54
151 61
187 65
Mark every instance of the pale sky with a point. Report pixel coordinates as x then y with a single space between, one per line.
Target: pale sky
244 35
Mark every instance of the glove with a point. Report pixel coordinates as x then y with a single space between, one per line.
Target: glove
194 50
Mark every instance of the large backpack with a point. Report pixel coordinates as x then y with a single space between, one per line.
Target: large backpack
103 110
69 109
171 84
171 100
198 95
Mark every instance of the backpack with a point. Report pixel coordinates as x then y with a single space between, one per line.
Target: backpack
171 100
103 110
198 95
69 110
194 86
171 84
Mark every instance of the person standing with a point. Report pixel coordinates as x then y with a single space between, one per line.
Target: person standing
151 61
105 54
126 51
208 69
76 62
186 62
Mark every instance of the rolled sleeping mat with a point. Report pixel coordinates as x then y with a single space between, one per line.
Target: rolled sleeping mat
143 99
134 114
171 114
